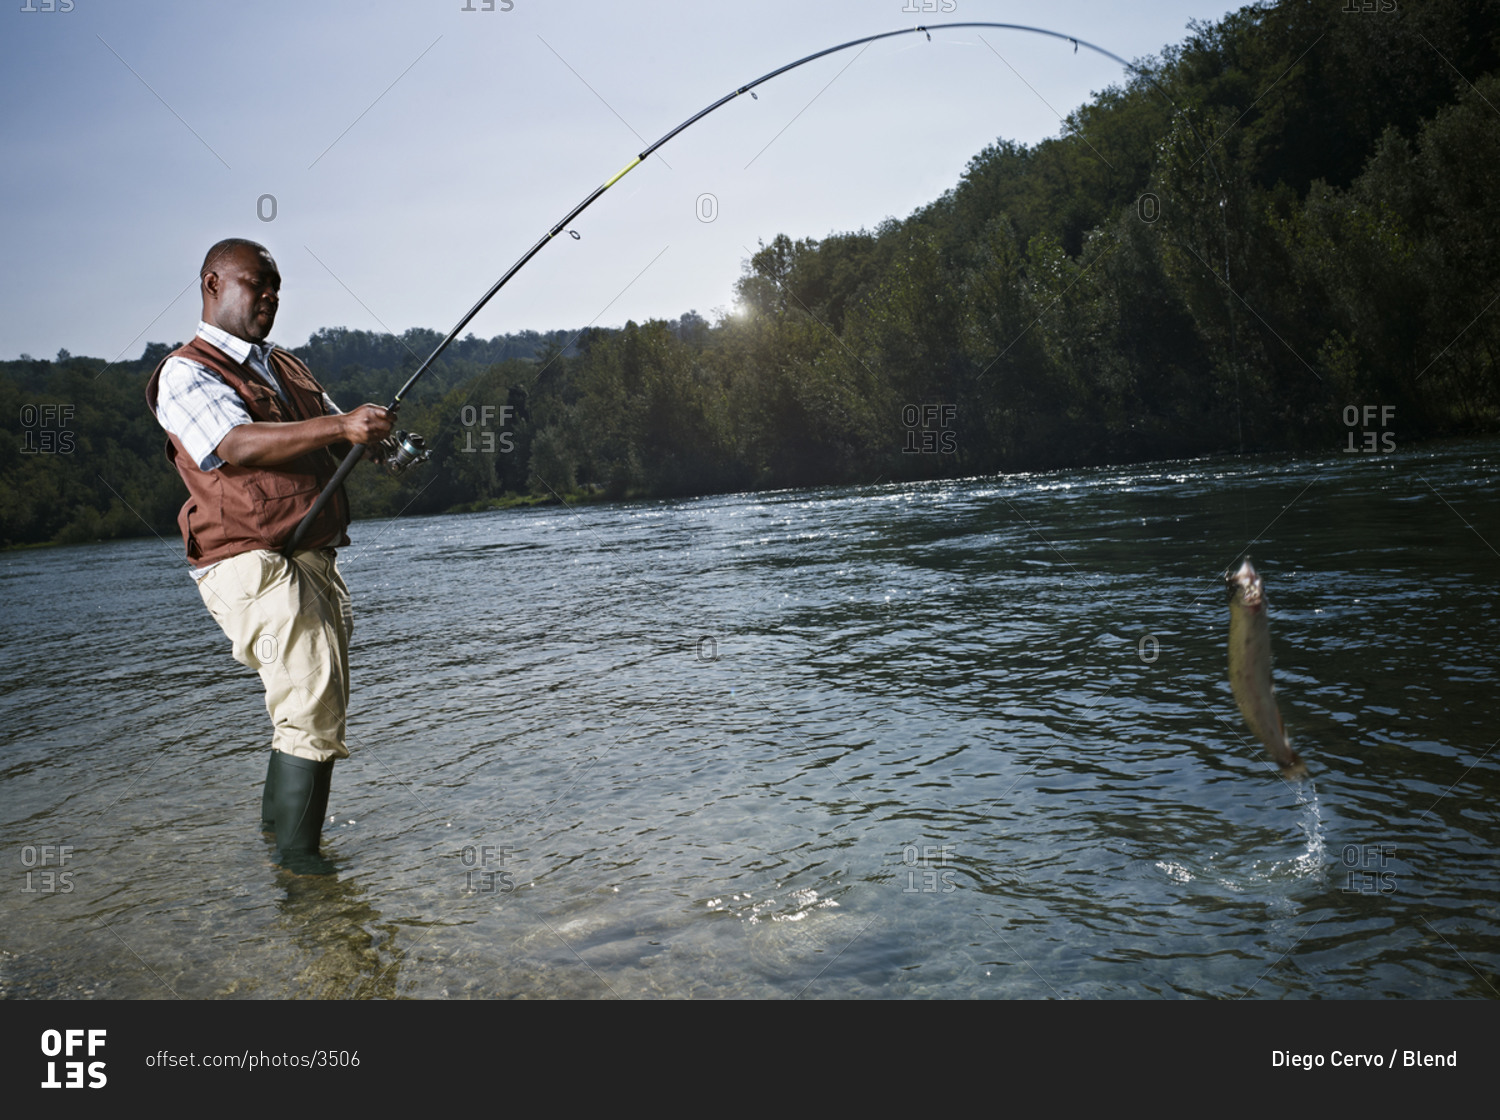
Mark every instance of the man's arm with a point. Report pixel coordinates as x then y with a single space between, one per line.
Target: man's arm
265 444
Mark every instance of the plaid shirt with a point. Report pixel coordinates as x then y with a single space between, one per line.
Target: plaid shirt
199 408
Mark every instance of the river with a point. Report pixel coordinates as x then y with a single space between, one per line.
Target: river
950 739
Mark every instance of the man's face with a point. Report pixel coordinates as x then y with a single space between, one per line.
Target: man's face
241 294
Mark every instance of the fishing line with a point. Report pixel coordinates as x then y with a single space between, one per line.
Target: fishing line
400 460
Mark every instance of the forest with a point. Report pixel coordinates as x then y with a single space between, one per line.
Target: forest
1291 213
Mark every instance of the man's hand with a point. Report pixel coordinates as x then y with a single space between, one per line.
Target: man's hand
369 423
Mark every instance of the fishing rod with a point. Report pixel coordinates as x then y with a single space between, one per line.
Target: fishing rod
410 448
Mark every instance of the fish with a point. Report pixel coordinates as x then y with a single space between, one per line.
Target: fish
1250 667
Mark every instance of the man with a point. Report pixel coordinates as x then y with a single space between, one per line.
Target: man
255 440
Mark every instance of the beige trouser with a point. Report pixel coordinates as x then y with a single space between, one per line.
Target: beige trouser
290 621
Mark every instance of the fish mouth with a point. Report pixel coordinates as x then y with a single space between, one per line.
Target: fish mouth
1245 584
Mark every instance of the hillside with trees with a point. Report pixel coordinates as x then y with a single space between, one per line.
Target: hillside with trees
1292 211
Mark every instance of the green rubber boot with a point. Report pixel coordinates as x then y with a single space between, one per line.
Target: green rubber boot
268 797
300 798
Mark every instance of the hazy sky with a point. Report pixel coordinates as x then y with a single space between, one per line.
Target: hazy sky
415 149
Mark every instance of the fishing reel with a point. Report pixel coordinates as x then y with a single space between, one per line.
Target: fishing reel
402 450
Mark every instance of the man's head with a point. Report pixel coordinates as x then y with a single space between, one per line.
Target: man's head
241 289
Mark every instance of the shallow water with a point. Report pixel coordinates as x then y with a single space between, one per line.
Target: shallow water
948 739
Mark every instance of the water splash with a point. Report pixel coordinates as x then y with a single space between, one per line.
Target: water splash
1312 860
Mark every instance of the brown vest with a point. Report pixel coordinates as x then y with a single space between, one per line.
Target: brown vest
234 509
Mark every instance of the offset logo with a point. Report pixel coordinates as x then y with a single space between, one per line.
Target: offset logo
66 1044
45 881
470 416
489 881
1353 419
929 429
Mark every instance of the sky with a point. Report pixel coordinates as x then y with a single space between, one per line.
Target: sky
397 156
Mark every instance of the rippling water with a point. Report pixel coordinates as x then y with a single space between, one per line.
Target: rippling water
951 739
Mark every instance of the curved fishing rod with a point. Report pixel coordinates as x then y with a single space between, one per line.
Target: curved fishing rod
407 453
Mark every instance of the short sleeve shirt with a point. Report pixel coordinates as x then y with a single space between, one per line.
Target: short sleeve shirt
199 408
